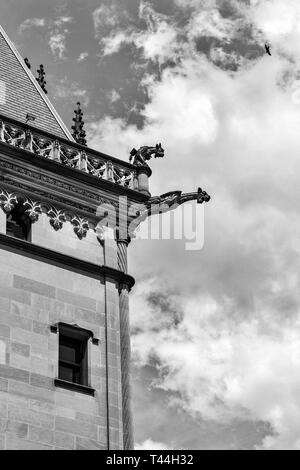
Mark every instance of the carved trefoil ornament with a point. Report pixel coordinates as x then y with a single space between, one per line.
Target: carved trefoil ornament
81 226
7 201
57 218
34 209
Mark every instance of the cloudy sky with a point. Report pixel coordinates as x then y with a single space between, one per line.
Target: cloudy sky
215 332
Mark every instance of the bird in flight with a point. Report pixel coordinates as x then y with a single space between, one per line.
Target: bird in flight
267 47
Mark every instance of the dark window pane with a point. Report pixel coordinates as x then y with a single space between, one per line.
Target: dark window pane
65 373
72 359
68 353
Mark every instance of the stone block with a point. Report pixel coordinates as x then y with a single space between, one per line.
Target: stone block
20 349
17 361
40 328
8 372
16 321
3 410
64 440
102 434
28 391
80 428
43 381
15 443
93 419
41 435
34 286
17 428
88 444
6 279
4 330
26 415
76 299
15 294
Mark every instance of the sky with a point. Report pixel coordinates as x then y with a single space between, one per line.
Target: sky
216 331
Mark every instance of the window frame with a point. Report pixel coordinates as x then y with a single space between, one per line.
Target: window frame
82 337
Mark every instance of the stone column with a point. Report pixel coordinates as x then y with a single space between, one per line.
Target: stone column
112 341
143 174
125 348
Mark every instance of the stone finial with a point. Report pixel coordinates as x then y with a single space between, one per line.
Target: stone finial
79 133
41 78
26 60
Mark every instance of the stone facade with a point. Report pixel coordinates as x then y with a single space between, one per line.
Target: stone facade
34 413
66 270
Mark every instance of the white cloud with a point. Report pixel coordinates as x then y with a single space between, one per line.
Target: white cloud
57 44
82 56
57 36
157 43
149 444
57 32
114 96
71 91
278 22
110 16
211 23
236 353
31 23
113 43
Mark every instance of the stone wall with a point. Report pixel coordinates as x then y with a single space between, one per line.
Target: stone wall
34 414
66 241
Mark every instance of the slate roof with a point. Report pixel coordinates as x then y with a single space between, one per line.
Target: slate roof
21 94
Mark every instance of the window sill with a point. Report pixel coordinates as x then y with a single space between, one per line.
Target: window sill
74 387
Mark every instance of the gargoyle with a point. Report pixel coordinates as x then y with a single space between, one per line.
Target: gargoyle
170 201
144 154
173 199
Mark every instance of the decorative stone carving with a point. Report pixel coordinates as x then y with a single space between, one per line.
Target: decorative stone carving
55 182
171 200
41 78
41 146
34 209
79 133
7 201
81 226
144 154
57 218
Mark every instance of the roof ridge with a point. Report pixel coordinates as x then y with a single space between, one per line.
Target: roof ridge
30 75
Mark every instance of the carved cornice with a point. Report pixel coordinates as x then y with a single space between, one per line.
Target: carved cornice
53 181
57 217
63 153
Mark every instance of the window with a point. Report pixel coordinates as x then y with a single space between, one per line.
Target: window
18 223
72 360
73 357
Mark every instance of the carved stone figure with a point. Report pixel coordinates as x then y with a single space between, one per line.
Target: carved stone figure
144 154
173 199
